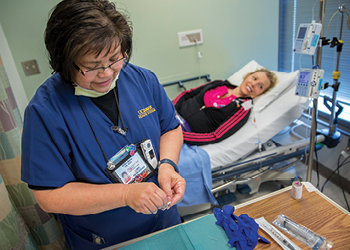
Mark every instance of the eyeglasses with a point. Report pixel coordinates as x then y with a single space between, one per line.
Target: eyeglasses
96 71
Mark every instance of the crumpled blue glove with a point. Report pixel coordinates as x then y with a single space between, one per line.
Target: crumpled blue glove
242 230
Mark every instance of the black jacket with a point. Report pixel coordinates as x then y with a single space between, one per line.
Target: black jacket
212 124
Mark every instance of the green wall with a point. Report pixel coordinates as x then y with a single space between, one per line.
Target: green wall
234 32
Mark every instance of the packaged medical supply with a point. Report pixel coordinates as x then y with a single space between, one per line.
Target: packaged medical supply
303 234
275 234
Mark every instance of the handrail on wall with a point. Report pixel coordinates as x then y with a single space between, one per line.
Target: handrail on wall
180 82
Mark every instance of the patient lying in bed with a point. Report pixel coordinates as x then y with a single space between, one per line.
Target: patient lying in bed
273 111
216 110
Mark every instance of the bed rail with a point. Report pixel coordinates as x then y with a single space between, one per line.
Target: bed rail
256 166
181 82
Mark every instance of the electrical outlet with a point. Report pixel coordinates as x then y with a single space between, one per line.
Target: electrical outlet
194 37
30 67
189 38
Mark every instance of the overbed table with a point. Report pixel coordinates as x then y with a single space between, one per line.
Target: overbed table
314 211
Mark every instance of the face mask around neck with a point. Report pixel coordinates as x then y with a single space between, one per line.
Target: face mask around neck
92 93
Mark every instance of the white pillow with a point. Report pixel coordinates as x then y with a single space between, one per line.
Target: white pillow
283 81
237 78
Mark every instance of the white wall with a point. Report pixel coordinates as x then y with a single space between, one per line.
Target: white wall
234 33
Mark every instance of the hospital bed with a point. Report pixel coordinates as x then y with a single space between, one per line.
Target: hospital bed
249 156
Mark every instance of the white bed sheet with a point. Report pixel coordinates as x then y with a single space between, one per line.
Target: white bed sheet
271 120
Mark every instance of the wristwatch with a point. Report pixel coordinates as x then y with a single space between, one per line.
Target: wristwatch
169 162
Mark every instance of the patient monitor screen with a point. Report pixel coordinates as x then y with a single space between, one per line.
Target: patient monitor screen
302 88
304 77
302 32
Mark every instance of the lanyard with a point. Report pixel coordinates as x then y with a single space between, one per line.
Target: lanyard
120 130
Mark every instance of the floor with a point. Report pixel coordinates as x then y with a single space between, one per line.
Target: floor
332 190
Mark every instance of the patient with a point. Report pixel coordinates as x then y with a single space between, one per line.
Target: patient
204 109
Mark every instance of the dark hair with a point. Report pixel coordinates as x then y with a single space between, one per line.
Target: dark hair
78 27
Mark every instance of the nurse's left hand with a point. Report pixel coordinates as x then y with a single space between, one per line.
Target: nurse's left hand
171 183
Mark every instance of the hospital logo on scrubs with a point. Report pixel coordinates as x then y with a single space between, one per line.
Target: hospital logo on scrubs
146 111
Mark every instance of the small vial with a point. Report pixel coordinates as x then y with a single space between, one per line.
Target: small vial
297 190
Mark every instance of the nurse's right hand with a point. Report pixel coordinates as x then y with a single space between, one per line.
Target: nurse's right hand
145 197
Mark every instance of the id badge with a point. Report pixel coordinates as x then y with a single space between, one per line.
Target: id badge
133 163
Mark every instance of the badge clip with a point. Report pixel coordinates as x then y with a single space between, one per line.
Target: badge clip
119 130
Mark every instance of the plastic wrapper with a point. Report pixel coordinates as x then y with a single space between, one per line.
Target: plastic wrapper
303 234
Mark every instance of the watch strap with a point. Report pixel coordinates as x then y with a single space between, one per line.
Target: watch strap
169 162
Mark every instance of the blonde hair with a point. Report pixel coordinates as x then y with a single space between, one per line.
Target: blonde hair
270 75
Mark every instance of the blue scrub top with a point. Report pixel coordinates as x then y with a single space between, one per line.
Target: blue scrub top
58 147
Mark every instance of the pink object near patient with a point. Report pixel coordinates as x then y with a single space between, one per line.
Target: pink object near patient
213 97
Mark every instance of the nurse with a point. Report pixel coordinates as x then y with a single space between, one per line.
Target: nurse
95 104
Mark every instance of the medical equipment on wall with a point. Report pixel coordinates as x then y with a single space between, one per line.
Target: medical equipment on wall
309 83
307 39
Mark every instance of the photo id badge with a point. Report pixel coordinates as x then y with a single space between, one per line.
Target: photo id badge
130 165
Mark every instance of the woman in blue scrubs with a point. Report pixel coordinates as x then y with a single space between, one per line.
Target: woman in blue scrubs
95 104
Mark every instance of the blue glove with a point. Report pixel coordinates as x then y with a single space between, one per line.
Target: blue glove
242 230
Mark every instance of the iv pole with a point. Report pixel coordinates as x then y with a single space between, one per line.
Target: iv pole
321 17
332 128
332 136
